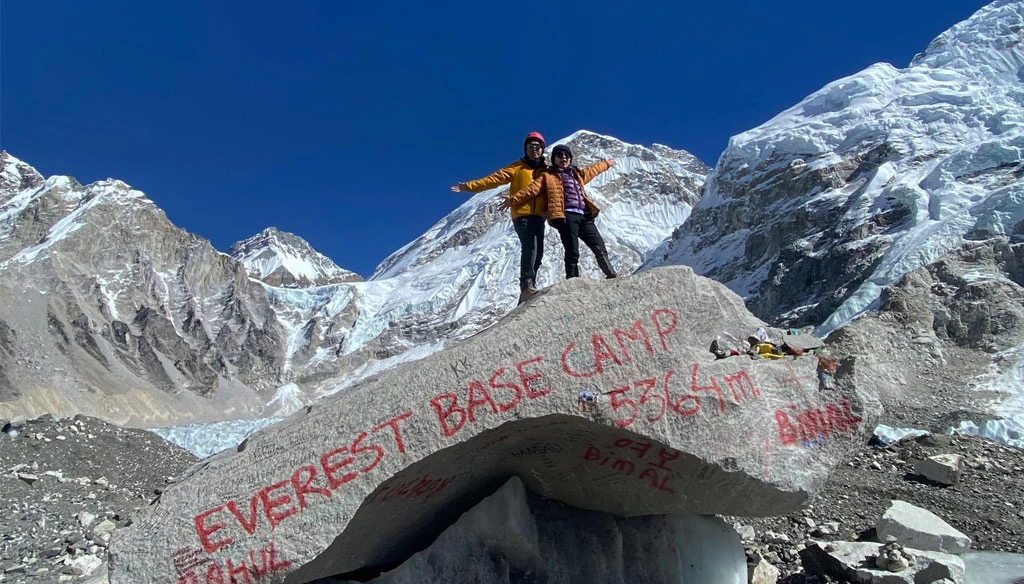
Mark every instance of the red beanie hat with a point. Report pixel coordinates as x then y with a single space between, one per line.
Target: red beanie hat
535 136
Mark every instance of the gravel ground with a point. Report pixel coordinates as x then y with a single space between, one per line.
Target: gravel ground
65 484
987 505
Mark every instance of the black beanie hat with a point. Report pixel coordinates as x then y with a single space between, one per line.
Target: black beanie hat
561 148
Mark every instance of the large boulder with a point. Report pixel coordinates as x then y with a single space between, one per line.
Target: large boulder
358 482
921 529
854 561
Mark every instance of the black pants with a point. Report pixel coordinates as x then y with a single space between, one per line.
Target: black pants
530 229
572 229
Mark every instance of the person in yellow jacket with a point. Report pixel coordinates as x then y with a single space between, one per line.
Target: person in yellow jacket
570 210
527 218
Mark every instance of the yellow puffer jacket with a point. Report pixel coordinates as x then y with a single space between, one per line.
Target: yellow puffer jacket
517 175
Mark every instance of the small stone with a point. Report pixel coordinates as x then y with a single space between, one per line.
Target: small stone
102 532
773 537
826 530
943 468
746 532
762 573
84 565
85 518
920 529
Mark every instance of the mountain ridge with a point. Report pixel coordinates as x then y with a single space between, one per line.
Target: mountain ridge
129 309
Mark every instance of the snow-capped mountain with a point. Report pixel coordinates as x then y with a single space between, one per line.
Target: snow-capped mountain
286 260
812 214
108 309
462 274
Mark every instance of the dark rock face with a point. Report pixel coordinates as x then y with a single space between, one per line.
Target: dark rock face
977 295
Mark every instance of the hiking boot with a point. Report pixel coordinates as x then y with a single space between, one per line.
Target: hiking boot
527 290
572 271
525 294
606 266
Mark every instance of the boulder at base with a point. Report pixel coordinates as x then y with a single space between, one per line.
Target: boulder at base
359 481
855 562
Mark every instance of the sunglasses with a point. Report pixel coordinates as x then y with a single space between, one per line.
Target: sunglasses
534 146
564 155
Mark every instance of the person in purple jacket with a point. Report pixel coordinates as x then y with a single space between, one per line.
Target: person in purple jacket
570 210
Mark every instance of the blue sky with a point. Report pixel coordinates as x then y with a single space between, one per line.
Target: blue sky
346 123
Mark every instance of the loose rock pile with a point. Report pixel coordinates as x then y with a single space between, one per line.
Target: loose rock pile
66 485
986 505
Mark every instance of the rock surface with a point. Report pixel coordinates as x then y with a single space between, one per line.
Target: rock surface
350 484
941 468
987 505
920 529
855 562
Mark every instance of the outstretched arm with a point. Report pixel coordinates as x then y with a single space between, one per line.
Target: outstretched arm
527 193
595 169
495 179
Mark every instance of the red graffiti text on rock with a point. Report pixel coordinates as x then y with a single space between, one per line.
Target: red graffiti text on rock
816 423
248 569
283 499
603 355
657 392
423 487
654 473
452 416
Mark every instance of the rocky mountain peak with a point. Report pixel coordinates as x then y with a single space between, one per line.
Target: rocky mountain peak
286 260
16 176
987 43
